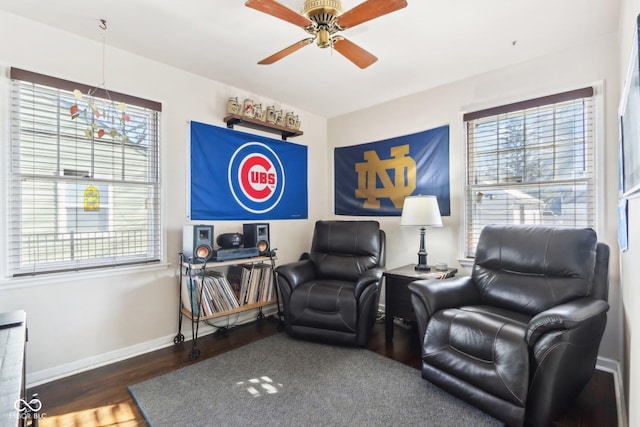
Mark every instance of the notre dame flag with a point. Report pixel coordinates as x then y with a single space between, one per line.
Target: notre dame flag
373 179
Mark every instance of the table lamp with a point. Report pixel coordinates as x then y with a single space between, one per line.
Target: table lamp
423 212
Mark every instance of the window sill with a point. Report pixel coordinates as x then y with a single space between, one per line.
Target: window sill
56 278
466 262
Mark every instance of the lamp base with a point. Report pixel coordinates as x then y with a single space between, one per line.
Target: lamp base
422 254
422 267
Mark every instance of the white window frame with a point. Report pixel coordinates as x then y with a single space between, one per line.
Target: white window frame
470 233
147 250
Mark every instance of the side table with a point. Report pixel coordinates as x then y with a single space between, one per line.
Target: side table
397 295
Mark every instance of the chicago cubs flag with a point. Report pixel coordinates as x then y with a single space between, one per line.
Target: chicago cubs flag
374 178
239 176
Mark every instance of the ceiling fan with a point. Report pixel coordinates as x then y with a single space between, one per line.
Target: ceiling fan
323 19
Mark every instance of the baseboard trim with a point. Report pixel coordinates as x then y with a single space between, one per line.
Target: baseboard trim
613 366
62 371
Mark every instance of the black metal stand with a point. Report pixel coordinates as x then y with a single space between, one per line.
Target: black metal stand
196 315
195 322
274 277
179 337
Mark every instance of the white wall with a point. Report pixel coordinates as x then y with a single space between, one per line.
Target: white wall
630 260
579 67
81 320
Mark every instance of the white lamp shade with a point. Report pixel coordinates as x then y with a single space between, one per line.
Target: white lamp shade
421 211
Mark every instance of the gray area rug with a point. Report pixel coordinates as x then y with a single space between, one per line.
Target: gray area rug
280 381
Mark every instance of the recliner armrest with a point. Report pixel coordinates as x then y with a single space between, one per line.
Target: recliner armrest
436 294
297 272
368 277
564 316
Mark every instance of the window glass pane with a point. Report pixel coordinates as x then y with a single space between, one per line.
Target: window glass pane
84 181
531 166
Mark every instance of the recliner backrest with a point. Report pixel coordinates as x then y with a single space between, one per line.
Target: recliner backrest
532 268
345 249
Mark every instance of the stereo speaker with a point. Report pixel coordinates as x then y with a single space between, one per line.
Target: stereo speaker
197 242
257 235
230 240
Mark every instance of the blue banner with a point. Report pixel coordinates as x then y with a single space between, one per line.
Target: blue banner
373 179
240 176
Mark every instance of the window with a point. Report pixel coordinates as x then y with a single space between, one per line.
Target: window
531 162
84 177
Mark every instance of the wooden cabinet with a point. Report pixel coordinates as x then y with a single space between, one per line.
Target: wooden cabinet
222 288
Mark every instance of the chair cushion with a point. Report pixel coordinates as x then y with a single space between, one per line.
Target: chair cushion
482 346
324 304
343 250
532 268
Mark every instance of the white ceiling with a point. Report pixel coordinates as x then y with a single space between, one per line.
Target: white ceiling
426 44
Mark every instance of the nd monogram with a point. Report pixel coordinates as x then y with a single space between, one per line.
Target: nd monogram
402 184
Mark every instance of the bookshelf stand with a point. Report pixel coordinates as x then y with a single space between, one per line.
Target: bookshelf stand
193 295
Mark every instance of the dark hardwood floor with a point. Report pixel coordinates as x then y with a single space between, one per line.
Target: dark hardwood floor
101 398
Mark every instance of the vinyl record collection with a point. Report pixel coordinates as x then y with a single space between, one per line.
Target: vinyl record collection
216 293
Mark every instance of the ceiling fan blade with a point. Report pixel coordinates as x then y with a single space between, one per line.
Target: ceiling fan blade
353 52
278 10
286 51
369 10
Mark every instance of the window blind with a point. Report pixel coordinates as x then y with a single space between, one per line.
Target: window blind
84 177
531 163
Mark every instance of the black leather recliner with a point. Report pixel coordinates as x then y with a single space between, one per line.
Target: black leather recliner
331 294
518 338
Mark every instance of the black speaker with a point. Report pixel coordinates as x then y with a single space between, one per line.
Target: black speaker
197 242
229 240
257 236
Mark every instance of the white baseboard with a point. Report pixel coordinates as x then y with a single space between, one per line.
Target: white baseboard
58 372
613 366
83 365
